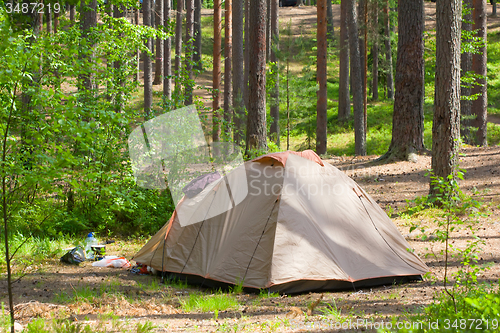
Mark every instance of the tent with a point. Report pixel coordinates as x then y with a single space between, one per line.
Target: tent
303 225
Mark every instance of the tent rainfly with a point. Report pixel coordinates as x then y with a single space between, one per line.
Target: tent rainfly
303 225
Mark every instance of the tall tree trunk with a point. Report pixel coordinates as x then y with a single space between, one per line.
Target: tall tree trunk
480 105
178 45
238 72
494 7
119 11
159 44
167 54
357 81
446 124
148 79
56 22
344 98
465 90
408 116
228 58
138 69
88 20
40 19
268 30
388 52
247 52
153 24
197 35
374 52
322 104
329 15
275 102
189 51
217 71
256 122
49 19
72 14
363 49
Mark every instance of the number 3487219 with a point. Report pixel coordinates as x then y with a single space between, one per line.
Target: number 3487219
32 7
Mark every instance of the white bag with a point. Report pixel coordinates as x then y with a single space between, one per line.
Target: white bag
112 261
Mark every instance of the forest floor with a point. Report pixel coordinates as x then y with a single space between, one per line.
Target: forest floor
115 299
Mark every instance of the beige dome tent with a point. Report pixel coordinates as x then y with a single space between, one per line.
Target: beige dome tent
303 225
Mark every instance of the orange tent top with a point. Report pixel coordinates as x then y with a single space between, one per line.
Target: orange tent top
283 156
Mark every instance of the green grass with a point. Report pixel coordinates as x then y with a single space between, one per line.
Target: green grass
494 73
35 249
205 303
41 325
88 294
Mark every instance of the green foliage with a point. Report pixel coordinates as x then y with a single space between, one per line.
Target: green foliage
66 326
332 311
67 151
215 302
456 211
4 319
477 311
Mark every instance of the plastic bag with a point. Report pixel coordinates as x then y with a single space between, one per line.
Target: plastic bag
74 256
112 261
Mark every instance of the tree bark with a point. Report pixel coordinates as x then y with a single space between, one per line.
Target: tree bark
374 52
217 71
465 90
138 70
268 30
178 45
344 98
228 78
167 52
275 102
357 81
56 22
247 52
321 107
494 7
88 20
159 44
197 35
446 124
238 72
388 52
72 13
148 79
119 11
408 115
329 14
49 20
188 100
480 105
256 122
363 50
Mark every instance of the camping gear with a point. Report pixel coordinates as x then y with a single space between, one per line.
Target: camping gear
303 225
89 242
99 251
112 261
74 256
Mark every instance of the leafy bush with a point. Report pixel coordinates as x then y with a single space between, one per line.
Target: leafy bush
477 311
